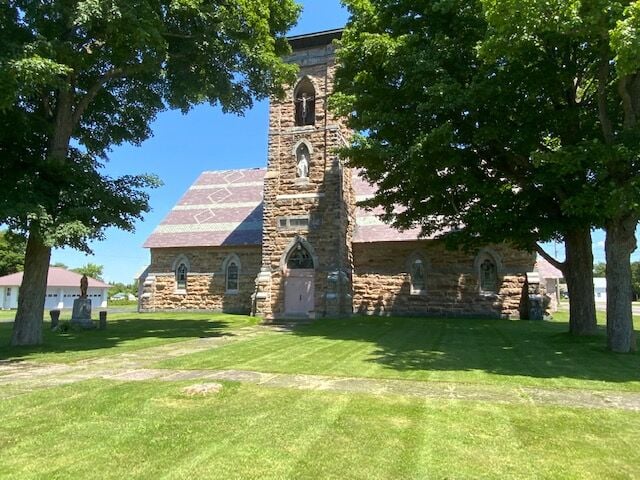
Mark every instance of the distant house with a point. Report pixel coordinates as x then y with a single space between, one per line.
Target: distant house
550 278
63 287
600 289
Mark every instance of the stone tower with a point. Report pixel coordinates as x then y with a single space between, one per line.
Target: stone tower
307 260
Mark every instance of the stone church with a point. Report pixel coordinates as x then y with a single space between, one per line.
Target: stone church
289 241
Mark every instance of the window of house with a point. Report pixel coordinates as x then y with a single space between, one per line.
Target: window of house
232 274
305 103
8 292
418 281
181 277
488 276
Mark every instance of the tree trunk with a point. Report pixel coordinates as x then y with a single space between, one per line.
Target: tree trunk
578 271
619 244
27 329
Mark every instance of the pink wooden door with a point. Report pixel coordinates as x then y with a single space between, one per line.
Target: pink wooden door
299 292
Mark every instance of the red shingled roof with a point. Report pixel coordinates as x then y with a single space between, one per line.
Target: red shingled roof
57 277
225 208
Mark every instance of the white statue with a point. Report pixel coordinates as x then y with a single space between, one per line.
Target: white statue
303 166
305 109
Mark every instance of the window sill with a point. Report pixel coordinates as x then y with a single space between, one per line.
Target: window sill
489 294
180 291
232 292
418 293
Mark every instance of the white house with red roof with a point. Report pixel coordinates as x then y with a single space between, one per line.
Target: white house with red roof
63 287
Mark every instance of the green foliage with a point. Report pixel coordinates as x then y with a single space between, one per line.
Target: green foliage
91 270
599 269
98 72
119 287
507 115
12 249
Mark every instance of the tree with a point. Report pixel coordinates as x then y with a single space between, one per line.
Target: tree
516 121
472 130
97 72
91 270
60 265
12 248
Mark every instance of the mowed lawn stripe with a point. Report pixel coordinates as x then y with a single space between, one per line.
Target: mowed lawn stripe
152 430
475 351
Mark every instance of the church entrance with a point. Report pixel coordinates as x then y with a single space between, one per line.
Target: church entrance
299 283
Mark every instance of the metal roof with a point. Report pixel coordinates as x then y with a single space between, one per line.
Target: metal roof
57 277
225 208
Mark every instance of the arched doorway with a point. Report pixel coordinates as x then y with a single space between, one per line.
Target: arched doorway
299 285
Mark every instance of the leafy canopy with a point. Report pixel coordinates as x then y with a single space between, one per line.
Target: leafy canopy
12 249
490 114
79 76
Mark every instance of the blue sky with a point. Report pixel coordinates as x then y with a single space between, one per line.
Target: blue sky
181 148
185 145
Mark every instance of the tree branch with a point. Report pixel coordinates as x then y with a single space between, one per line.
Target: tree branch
630 119
541 251
88 97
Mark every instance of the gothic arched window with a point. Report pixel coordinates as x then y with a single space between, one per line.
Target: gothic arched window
418 281
488 276
302 161
181 277
232 275
299 258
304 98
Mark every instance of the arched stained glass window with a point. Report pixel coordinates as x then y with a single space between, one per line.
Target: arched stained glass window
299 258
181 277
488 276
418 281
232 275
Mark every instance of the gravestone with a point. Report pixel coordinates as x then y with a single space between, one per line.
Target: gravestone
535 300
55 318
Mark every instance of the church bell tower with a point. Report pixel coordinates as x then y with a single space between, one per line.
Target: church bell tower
308 197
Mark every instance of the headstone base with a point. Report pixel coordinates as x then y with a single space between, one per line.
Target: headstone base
81 315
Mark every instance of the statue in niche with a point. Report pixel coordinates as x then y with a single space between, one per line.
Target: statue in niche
302 168
305 109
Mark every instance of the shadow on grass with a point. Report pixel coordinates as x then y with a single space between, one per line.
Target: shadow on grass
504 347
121 334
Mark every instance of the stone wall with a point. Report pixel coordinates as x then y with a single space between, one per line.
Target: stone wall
382 282
206 288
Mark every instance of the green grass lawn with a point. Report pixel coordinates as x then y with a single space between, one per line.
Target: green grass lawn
499 352
101 429
125 332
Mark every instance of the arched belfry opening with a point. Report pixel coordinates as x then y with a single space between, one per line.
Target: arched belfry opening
304 97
